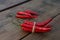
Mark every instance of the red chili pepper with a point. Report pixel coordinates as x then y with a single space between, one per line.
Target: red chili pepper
39 27
26 14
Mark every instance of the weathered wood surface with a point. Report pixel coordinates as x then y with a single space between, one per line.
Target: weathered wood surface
7 3
9 25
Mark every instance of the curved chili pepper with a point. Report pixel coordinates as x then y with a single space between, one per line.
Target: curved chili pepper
26 14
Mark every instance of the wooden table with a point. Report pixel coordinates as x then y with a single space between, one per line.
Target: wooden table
9 25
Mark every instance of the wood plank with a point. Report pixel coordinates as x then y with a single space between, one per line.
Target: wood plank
7 3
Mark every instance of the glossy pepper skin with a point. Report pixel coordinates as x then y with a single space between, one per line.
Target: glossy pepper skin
26 14
40 27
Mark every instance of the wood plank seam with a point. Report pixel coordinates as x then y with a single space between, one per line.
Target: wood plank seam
24 36
14 5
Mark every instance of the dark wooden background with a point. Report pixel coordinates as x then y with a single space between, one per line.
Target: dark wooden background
9 25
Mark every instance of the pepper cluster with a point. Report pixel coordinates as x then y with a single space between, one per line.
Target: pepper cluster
29 25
